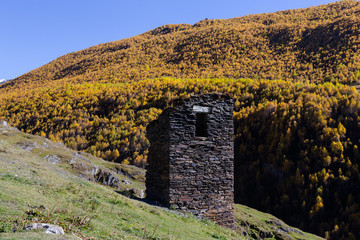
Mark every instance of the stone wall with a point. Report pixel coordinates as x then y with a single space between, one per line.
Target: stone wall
191 158
157 174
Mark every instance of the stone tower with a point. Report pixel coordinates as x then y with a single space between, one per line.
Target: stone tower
190 160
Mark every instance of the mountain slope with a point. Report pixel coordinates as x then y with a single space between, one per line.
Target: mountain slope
299 134
318 43
302 138
36 188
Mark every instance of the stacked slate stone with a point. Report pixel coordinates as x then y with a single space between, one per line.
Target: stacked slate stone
190 160
157 174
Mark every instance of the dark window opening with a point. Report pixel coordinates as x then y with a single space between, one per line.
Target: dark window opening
201 125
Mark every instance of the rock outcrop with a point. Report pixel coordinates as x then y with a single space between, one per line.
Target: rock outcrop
48 228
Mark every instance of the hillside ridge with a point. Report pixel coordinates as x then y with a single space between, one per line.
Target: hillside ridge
281 45
34 187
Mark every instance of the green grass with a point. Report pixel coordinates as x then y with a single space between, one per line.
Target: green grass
259 225
35 190
35 236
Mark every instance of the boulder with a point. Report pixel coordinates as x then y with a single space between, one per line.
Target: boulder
139 193
126 182
106 178
28 146
54 159
50 229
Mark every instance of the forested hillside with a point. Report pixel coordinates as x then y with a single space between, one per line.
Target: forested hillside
297 124
296 143
317 44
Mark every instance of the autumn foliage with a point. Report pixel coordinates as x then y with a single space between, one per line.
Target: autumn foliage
296 139
296 143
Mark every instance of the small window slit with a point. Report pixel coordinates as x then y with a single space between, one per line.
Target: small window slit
201 127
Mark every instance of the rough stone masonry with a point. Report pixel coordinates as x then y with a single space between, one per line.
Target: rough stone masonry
190 160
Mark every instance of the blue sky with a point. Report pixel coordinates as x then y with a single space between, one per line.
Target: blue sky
35 32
